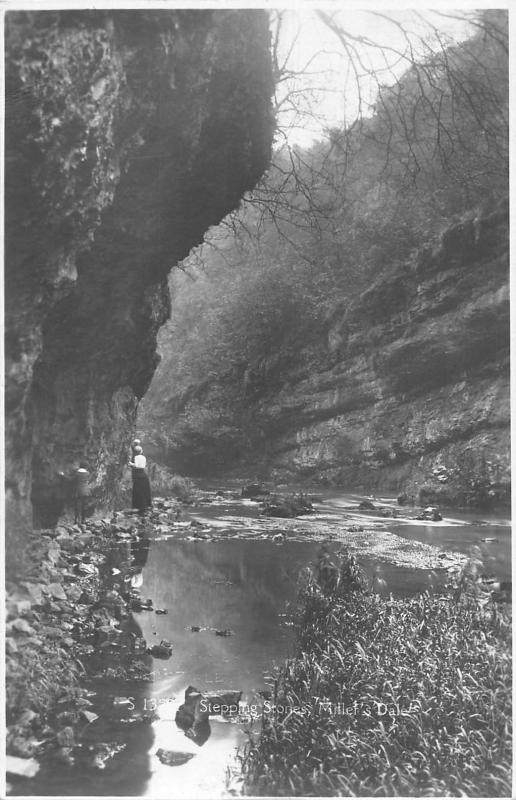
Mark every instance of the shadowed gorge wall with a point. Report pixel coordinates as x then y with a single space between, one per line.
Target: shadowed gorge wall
128 134
355 329
406 390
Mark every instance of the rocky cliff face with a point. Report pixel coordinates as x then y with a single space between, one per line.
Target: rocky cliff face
412 393
417 395
128 134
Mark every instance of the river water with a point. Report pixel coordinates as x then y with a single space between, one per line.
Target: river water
241 585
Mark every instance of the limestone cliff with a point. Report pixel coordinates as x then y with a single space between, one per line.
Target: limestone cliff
409 394
128 134
417 395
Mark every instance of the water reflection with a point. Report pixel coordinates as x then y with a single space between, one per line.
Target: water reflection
238 586
230 585
243 586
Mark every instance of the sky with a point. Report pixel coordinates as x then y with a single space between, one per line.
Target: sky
322 88
322 91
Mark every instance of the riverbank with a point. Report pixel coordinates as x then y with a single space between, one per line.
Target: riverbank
68 623
83 681
391 696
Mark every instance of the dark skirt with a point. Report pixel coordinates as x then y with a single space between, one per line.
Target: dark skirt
141 490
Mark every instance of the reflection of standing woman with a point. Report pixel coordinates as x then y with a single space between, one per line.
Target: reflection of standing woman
141 485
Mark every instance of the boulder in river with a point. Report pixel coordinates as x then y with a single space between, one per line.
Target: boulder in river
192 717
137 604
287 507
173 758
430 513
162 650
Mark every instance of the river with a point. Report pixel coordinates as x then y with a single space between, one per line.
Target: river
242 586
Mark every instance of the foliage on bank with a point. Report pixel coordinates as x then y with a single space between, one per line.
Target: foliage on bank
391 696
68 622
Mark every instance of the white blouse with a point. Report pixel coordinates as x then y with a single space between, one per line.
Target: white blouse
140 461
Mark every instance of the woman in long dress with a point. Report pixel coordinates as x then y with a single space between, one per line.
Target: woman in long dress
141 485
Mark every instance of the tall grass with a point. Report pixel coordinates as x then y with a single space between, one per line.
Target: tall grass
388 697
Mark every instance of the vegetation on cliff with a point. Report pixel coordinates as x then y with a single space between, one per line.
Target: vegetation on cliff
388 697
323 263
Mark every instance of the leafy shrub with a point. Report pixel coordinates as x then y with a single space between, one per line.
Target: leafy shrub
401 696
167 484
